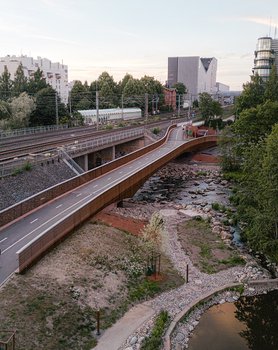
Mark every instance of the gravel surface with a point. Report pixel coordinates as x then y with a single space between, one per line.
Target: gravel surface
14 189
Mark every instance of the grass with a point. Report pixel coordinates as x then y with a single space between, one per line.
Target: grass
154 341
206 249
46 307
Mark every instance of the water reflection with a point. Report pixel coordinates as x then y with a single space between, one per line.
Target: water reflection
249 324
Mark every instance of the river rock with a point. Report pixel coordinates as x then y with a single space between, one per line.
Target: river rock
180 337
133 340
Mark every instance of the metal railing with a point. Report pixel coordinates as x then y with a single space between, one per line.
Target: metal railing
28 131
12 167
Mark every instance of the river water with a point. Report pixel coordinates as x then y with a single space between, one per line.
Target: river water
251 323
248 324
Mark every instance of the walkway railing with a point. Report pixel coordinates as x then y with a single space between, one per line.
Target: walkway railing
29 131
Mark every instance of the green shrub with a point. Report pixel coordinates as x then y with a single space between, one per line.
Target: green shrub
154 341
156 130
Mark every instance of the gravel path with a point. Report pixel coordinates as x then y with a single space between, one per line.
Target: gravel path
199 284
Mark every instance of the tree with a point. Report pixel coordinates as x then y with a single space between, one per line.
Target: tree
45 112
151 86
5 85
209 108
271 88
180 88
123 82
80 92
255 124
37 83
21 108
252 94
20 81
152 233
108 91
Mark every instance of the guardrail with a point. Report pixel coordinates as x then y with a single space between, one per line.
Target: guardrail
125 188
29 131
33 202
11 167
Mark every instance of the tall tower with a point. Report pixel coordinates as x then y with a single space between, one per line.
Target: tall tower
266 55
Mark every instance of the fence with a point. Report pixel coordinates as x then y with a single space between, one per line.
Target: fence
43 197
125 188
29 131
14 166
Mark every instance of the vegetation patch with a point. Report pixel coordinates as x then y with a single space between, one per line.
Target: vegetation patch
98 268
154 341
205 248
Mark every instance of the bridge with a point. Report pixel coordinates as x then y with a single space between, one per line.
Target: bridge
31 227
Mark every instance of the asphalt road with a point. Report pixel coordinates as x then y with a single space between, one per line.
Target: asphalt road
16 235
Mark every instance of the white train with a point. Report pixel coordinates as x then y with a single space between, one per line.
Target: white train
106 115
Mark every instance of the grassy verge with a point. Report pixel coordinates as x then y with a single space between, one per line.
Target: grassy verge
205 248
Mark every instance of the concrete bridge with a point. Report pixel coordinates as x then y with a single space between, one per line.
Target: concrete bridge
32 226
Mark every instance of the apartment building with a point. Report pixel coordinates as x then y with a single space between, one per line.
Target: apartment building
55 73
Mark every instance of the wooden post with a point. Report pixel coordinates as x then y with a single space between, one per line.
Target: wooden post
98 322
187 273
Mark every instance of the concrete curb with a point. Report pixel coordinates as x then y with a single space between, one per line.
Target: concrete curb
205 297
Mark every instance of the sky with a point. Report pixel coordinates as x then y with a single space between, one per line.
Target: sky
137 37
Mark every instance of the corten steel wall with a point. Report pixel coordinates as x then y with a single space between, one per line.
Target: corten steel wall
33 202
126 188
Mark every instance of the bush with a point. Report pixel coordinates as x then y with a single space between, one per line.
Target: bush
156 130
154 341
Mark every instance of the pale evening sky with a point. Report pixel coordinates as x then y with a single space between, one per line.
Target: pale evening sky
137 37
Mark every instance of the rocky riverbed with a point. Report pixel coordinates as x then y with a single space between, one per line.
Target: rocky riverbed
202 181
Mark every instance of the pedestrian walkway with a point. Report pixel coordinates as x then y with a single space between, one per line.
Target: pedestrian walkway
115 336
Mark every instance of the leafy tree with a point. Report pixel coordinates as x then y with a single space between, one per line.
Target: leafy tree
124 81
45 112
180 88
255 124
5 85
20 81
37 83
108 91
151 86
230 160
78 93
209 107
252 94
271 88
21 108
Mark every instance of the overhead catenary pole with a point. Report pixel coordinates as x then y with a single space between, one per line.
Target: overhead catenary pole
179 106
97 108
122 106
56 107
146 107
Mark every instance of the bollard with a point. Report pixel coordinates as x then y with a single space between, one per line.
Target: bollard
187 270
98 321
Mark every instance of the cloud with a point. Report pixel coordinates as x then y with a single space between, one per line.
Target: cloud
269 22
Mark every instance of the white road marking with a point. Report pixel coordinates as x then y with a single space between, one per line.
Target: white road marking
79 194
59 206
34 221
46 222
109 178
83 199
3 240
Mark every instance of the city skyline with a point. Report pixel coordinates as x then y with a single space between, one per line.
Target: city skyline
137 38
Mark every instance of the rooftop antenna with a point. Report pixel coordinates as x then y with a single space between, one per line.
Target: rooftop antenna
269 26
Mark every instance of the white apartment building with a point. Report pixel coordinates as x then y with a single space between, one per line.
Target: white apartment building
55 73
196 73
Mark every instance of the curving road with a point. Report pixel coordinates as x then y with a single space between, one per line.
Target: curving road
16 235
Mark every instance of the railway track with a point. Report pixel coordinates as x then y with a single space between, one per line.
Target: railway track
15 147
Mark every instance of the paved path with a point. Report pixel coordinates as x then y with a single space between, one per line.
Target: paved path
115 336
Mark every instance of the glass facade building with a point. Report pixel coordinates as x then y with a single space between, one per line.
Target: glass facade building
265 55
